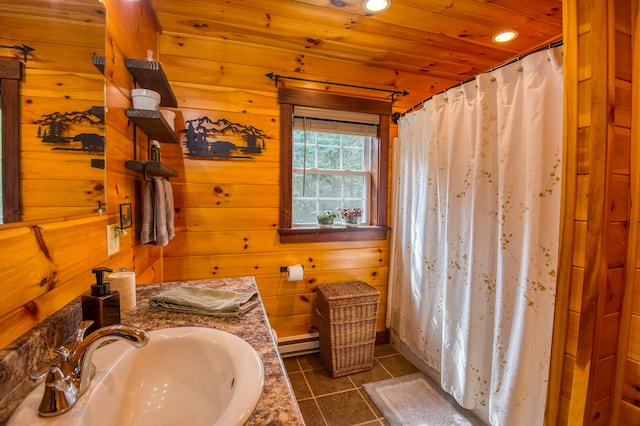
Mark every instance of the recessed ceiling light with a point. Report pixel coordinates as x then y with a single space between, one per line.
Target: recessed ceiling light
338 3
375 6
504 36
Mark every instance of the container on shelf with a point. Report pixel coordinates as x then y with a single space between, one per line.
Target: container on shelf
154 151
145 99
170 117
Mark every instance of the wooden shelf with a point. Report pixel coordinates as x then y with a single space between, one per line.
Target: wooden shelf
150 75
153 124
98 62
152 168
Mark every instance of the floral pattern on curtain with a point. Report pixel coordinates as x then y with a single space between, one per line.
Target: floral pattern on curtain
475 220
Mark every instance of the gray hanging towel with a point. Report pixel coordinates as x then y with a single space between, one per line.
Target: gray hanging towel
205 301
158 214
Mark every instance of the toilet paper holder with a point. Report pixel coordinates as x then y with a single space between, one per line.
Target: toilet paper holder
286 268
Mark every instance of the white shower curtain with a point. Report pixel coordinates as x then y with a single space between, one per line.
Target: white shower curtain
475 222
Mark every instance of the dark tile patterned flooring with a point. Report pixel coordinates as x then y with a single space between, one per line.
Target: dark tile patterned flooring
325 401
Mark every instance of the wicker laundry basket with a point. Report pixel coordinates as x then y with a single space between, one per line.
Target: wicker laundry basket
347 313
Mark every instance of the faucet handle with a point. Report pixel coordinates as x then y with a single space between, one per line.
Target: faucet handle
51 372
65 353
39 374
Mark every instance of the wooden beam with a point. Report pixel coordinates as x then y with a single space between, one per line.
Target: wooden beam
568 213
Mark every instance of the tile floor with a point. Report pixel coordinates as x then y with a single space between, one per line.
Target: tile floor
325 401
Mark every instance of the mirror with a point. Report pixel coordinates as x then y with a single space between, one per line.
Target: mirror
61 106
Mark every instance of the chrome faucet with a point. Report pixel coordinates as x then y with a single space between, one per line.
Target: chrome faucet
65 383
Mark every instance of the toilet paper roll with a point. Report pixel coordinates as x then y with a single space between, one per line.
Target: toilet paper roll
295 273
125 283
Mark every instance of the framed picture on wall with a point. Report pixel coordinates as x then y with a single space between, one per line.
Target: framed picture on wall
126 217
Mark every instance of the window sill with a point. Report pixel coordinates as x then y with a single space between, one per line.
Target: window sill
336 233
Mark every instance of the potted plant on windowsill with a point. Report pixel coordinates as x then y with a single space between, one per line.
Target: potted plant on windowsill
325 218
350 215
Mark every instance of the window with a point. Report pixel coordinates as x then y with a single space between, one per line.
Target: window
331 162
333 154
10 74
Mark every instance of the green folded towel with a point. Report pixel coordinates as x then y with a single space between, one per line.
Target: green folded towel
205 301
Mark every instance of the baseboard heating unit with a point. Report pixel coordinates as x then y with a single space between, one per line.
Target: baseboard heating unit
300 344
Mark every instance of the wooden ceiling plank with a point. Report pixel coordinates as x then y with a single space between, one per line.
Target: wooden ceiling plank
301 20
215 52
549 11
431 47
422 56
415 42
244 76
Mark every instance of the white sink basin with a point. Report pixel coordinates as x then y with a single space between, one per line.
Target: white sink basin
184 376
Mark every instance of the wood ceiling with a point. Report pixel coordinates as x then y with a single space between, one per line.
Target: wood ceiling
438 43
423 46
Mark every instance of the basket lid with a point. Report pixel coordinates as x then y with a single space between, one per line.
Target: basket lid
346 289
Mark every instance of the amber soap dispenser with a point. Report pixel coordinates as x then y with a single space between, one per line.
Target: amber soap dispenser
101 304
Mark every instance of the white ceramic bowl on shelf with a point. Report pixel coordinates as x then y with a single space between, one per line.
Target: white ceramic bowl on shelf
145 99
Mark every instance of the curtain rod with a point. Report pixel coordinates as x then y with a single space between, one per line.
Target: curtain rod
277 77
397 115
24 49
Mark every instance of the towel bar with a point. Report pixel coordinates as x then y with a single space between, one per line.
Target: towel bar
152 168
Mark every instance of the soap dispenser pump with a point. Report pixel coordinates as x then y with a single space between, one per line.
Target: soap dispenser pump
100 304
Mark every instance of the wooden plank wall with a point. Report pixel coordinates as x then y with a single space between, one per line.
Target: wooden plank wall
132 29
227 219
47 263
626 405
599 139
227 210
43 265
57 183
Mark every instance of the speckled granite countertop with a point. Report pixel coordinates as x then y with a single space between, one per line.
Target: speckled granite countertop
277 405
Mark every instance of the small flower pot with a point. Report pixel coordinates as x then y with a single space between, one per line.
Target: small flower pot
325 221
350 221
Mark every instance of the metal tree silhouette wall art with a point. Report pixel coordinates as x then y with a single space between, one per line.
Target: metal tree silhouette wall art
53 129
202 139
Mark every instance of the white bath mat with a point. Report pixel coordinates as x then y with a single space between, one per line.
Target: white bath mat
411 400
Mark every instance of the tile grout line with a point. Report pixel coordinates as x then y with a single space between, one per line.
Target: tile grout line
359 389
313 398
313 394
327 394
384 368
388 372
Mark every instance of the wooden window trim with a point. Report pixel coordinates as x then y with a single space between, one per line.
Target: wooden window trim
377 230
10 76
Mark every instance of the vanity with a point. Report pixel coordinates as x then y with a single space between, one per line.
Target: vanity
277 403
